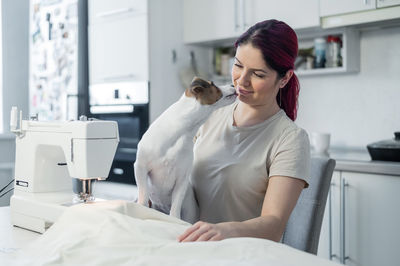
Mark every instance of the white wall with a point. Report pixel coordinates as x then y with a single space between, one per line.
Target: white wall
15 16
360 108
166 35
15 77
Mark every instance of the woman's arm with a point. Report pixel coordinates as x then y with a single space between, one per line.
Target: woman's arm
280 199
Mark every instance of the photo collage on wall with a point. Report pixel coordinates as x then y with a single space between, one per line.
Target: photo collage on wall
53 52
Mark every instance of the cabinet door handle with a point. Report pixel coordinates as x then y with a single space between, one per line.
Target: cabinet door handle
331 255
365 2
244 14
343 257
115 12
114 78
236 15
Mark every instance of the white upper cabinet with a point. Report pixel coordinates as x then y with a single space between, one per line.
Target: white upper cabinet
385 3
118 50
118 41
209 20
340 13
212 20
297 14
336 7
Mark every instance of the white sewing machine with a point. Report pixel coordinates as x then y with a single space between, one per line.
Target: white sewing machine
48 154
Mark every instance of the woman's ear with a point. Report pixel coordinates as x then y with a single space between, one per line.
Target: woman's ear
286 78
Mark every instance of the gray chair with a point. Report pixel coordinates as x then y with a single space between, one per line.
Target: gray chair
304 225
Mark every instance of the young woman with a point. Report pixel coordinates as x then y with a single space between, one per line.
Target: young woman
251 161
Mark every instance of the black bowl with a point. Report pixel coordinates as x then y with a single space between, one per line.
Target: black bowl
384 154
386 150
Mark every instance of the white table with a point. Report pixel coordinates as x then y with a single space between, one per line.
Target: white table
151 244
158 228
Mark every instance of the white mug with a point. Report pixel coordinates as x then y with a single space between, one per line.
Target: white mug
320 142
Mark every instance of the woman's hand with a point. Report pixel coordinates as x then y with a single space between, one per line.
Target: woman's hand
202 231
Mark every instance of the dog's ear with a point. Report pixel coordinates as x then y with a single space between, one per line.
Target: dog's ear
197 90
198 87
194 91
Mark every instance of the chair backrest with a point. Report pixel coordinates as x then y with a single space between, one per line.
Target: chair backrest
304 225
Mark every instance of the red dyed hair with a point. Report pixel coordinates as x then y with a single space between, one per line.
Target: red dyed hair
277 42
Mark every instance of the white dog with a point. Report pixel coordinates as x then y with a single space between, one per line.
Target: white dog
165 152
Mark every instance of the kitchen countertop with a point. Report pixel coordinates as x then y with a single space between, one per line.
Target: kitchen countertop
359 160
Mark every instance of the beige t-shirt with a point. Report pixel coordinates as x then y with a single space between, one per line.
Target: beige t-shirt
232 164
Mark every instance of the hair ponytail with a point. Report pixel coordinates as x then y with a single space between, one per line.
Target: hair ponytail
287 97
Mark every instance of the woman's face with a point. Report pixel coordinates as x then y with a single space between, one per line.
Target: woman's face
256 84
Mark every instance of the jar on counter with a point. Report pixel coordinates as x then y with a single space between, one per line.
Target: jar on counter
225 64
319 51
309 62
333 56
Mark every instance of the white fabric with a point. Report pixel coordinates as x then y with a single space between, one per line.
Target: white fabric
232 164
122 233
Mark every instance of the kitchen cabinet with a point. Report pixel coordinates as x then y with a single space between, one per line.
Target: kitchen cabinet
215 20
335 7
118 50
118 41
297 14
360 225
339 13
385 3
210 20
338 7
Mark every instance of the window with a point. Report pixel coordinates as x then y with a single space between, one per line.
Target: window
1 76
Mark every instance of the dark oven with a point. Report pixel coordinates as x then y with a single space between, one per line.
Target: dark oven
126 103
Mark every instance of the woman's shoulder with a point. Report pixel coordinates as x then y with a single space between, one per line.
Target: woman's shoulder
291 153
290 130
